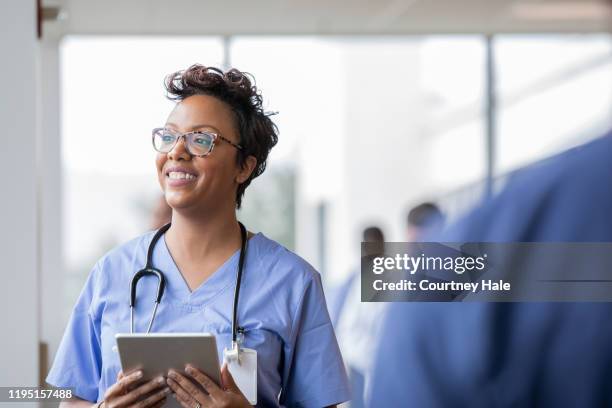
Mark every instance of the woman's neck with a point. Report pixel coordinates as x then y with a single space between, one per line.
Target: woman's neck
196 238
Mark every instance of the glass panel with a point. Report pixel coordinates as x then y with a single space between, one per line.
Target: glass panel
556 92
372 125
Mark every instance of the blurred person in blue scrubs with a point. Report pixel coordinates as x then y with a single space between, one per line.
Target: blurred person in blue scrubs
281 309
422 220
337 295
358 323
511 354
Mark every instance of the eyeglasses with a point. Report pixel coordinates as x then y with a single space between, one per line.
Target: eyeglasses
198 143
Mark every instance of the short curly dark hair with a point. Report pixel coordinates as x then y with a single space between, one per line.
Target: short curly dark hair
258 134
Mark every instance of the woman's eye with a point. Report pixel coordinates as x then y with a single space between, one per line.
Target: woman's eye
167 138
202 141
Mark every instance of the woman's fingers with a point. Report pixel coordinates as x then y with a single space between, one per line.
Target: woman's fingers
184 382
159 403
121 386
141 391
183 396
154 400
228 380
205 381
180 394
138 394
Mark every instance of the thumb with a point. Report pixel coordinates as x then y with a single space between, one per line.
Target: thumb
228 381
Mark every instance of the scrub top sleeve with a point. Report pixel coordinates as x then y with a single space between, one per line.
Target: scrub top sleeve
316 376
78 359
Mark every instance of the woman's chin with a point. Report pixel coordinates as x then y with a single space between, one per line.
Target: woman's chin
178 200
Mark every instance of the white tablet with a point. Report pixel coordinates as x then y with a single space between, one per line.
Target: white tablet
156 353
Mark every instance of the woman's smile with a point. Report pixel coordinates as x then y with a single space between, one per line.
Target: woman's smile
177 176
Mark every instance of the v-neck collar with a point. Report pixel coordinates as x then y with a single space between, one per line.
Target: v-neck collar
177 286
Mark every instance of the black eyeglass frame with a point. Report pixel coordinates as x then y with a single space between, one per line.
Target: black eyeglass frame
189 139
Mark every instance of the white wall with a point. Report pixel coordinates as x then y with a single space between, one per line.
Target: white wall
18 205
383 170
368 165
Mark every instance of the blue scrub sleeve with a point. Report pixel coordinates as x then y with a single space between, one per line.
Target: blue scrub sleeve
316 376
78 359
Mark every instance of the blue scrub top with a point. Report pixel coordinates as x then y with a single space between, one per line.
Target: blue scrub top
281 307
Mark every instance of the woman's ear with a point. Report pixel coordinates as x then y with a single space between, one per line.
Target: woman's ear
247 169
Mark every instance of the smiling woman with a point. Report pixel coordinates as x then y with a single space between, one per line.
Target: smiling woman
214 142
214 180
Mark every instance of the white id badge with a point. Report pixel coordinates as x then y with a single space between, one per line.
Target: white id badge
244 371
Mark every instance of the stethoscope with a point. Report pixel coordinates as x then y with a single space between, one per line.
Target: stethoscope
161 282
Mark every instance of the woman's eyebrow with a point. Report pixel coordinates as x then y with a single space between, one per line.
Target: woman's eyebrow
170 124
204 126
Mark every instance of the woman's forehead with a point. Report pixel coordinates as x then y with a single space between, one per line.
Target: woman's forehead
201 111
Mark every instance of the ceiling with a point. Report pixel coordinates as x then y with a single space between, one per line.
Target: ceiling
319 17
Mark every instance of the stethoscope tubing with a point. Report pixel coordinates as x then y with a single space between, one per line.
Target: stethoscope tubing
149 269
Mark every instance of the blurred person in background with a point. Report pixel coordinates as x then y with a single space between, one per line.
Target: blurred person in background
357 323
337 295
214 143
511 354
423 220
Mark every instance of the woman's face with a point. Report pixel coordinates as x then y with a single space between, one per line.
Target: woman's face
214 178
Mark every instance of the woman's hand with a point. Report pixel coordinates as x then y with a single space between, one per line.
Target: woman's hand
191 396
128 392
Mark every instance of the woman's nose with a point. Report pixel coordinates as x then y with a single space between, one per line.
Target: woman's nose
179 151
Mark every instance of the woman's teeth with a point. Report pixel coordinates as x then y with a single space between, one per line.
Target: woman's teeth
177 175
